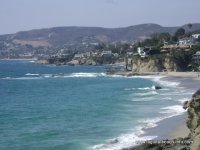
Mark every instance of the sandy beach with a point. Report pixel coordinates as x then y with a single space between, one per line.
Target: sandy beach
193 75
189 80
174 127
180 130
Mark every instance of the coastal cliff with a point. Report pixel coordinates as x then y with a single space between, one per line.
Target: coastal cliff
193 120
192 142
151 64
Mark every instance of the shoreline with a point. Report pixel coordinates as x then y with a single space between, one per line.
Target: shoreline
174 127
181 130
190 81
194 75
169 128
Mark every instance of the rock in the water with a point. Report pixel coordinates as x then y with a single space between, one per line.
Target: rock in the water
158 87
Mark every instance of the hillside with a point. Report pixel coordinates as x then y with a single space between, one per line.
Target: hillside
75 38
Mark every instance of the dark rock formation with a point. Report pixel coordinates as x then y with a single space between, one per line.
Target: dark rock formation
158 87
175 144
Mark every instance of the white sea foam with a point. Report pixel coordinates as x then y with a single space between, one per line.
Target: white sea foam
166 98
88 74
6 78
124 141
150 123
128 89
176 93
147 93
43 76
183 100
21 78
47 75
172 110
165 83
131 139
146 88
144 99
159 80
142 88
32 74
128 140
82 75
169 111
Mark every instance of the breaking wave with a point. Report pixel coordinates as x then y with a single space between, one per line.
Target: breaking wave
124 141
30 76
147 93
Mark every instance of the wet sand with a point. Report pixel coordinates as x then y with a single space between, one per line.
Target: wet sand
173 127
193 75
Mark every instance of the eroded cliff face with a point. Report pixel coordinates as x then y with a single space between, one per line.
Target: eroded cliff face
193 121
154 65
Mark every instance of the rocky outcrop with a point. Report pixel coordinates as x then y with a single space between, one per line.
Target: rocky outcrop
170 65
82 62
146 65
152 64
193 121
73 62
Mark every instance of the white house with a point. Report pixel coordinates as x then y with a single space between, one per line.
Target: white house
78 56
196 57
106 53
142 52
196 36
197 54
186 41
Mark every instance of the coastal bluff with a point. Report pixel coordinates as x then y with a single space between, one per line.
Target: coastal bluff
192 141
193 120
152 64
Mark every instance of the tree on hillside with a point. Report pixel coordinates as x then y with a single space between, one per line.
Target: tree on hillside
100 47
165 36
182 59
198 39
179 32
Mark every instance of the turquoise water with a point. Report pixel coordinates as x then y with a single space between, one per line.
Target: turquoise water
79 108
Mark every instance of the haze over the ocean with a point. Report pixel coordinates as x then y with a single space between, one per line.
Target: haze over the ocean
20 15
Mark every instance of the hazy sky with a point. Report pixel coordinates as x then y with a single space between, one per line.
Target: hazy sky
17 15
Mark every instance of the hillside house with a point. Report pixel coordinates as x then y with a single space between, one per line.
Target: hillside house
196 56
78 56
142 51
196 36
186 41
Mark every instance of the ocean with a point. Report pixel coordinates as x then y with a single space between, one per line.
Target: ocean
48 107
